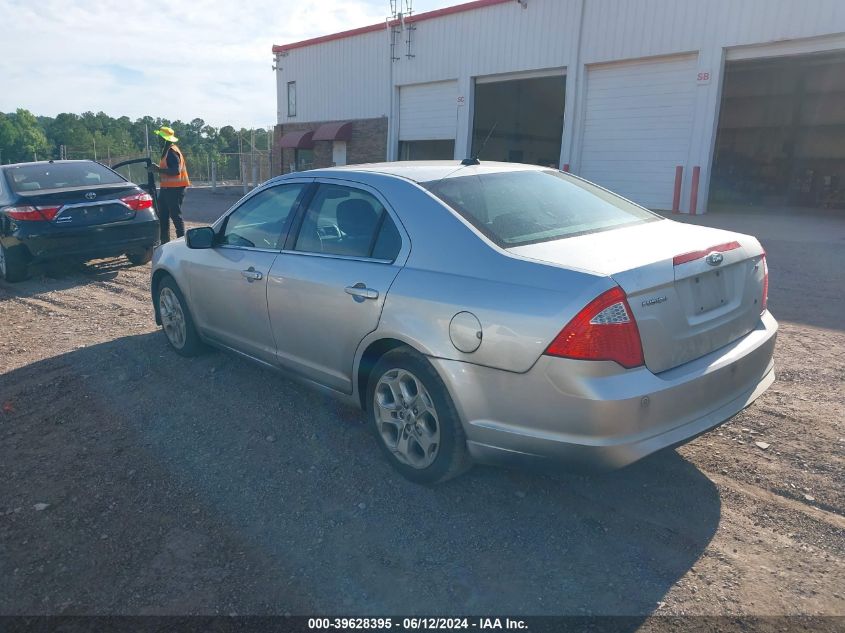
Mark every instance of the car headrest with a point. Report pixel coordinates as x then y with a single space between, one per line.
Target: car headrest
356 217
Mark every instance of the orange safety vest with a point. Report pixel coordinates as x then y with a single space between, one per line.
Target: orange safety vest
174 181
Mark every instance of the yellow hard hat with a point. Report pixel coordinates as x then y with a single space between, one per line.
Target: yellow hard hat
166 133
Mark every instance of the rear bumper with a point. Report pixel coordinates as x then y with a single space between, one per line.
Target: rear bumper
599 416
45 241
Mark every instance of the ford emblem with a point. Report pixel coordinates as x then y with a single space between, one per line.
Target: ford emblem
714 258
90 195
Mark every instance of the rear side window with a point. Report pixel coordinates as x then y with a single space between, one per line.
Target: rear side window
346 221
26 178
388 243
525 207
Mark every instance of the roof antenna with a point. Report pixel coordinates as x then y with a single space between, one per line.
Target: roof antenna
474 160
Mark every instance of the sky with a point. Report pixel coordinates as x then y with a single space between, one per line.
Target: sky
176 59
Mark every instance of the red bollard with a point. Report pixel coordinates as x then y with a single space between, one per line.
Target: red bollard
676 199
693 196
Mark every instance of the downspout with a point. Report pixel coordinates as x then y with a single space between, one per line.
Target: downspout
391 119
277 71
573 161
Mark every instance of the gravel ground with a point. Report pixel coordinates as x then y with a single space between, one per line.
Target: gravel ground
135 481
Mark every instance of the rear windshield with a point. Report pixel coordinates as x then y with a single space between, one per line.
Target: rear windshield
26 178
525 207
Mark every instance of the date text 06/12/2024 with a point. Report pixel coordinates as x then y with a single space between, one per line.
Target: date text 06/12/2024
416 624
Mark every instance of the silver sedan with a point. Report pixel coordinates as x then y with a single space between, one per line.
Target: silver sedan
480 312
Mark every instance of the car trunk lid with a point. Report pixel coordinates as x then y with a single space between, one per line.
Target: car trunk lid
85 206
685 307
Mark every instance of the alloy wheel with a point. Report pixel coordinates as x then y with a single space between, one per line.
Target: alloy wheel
407 418
172 317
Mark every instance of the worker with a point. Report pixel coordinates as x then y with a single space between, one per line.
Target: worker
173 177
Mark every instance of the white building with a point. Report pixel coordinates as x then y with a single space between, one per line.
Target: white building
745 96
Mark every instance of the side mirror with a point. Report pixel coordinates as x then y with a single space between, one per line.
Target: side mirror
200 237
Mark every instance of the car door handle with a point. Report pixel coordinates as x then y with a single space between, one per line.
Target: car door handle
251 274
361 290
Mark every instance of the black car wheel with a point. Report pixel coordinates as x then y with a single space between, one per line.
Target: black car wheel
12 264
415 420
141 257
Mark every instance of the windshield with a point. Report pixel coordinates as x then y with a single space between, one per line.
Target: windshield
524 207
26 178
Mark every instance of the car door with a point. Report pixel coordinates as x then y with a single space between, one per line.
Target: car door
228 283
327 287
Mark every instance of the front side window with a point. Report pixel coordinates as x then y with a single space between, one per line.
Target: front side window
260 221
345 221
525 207
291 98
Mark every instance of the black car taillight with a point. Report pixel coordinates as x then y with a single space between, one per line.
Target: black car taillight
138 201
29 213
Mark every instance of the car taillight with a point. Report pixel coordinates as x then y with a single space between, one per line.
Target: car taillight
138 201
765 305
604 330
31 214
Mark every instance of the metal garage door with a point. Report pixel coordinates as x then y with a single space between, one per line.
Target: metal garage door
637 128
428 111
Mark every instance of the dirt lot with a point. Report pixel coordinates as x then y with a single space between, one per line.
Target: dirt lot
135 481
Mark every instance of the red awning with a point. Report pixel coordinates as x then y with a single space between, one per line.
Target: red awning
298 140
340 131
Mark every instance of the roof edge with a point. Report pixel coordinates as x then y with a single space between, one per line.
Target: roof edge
420 17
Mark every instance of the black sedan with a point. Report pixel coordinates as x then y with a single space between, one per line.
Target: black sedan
71 208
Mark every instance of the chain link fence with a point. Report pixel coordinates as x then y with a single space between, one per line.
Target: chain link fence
246 169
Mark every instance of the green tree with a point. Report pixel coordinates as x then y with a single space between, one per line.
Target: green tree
8 138
29 141
24 136
69 130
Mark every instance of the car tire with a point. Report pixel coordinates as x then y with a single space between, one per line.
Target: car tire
425 416
13 264
177 323
141 257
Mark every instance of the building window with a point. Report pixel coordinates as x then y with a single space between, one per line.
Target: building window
291 98
304 159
